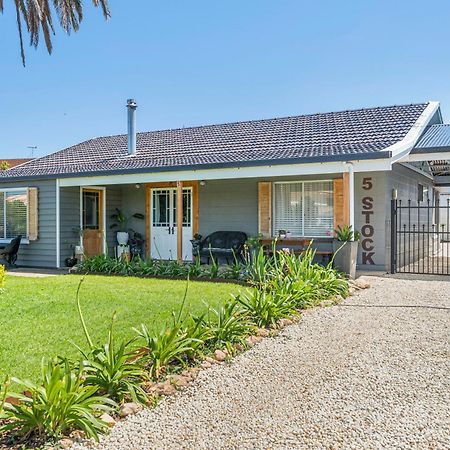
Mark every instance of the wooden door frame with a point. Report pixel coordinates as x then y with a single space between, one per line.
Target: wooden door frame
102 191
194 185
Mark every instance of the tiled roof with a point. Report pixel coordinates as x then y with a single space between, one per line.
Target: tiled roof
15 162
346 134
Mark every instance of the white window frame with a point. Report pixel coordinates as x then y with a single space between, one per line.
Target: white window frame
302 182
25 239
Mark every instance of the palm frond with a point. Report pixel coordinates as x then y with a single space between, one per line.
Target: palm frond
37 17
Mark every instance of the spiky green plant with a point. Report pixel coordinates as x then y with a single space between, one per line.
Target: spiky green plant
58 404
173 343
112 368
227 324
265 308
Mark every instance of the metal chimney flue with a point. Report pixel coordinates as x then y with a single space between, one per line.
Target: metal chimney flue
131 107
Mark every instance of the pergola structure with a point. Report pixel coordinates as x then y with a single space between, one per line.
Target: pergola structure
433 149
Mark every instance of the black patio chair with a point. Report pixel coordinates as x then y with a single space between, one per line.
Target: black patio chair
9 253
226 245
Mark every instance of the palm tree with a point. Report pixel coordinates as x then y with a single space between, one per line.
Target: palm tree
37 15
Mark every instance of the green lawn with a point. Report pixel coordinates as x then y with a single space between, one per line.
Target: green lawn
38 316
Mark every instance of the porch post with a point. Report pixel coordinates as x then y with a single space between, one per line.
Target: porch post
351 194
179 221
58 230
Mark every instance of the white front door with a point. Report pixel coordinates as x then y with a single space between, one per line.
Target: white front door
164 223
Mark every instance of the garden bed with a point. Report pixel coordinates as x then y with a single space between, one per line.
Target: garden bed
166 277
120 374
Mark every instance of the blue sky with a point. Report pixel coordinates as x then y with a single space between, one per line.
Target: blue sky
200 62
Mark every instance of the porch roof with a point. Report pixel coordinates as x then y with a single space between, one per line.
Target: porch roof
435 142
336 136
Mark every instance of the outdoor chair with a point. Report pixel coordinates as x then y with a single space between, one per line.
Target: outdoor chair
9 253
226 245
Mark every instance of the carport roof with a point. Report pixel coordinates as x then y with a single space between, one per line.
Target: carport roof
435 139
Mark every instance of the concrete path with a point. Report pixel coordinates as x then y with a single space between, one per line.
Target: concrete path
372 373
36 273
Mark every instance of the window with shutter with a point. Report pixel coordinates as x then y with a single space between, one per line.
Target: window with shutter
14 212
304 208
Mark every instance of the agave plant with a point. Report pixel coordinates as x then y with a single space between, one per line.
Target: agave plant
173 343
112 368
259 269
115 370
169 345
265 308
226 325
58 404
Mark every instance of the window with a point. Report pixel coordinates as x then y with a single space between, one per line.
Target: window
304 208
13 213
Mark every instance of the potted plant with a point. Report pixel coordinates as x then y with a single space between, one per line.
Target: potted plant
121 223
252 245
77 249
282 234
345 249
71 261
196 242
136 244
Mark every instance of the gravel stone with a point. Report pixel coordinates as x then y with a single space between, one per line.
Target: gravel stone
369 373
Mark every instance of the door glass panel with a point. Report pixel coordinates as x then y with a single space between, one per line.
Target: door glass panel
161 208
187 210
91 210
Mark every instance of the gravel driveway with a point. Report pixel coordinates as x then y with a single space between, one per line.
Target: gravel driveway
370 373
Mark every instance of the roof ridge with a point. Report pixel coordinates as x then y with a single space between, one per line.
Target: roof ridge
237 122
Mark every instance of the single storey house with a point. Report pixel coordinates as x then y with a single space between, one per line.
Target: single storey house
303 174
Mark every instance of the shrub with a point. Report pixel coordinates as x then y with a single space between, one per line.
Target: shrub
112 368
298 277
167 346
57 405
149 267
265 308
173 343
346 234
226 325
259 268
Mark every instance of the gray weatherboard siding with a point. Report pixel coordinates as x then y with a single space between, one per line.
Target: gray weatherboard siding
42 252
223 205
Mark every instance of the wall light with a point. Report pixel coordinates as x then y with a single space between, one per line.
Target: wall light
202 183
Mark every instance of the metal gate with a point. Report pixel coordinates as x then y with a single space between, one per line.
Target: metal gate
420 237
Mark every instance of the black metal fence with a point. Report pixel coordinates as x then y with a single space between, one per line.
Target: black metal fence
420 237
